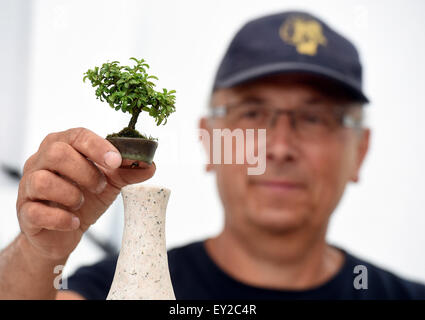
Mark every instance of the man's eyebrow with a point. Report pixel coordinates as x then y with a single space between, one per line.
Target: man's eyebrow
252 98
312 100
249 99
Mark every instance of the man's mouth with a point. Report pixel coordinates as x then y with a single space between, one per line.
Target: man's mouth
278 185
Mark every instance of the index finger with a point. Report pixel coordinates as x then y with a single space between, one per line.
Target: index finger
89 144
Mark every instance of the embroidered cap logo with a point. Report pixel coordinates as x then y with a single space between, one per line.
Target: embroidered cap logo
305 34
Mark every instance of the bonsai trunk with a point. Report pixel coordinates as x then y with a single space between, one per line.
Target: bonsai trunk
133 120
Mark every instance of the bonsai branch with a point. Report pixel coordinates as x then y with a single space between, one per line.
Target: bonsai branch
133 120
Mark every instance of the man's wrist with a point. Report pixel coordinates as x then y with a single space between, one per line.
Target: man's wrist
35 257
25 273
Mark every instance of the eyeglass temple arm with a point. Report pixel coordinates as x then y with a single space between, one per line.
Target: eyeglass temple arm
217 112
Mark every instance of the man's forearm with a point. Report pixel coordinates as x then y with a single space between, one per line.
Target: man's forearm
25 274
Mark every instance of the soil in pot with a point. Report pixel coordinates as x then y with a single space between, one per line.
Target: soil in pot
133 145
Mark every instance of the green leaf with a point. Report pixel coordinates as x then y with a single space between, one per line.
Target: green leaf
126 88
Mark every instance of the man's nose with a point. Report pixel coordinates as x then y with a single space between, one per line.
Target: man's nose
281 139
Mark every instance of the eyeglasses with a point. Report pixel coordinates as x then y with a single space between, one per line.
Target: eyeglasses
309 122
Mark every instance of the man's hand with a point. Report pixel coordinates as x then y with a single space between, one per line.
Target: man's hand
67 185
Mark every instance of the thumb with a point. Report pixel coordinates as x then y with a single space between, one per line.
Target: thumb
132 174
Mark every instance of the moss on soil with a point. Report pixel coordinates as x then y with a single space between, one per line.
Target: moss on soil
130 133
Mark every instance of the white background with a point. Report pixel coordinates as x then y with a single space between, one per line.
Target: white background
46 46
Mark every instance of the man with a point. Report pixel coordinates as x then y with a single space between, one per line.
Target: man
287 73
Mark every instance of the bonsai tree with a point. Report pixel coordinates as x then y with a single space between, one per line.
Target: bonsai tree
130 89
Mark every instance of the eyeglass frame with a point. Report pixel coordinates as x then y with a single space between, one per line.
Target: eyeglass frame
347 121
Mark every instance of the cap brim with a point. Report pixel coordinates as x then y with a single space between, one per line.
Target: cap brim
287 67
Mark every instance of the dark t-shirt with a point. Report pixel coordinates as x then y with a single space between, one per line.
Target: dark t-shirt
194 275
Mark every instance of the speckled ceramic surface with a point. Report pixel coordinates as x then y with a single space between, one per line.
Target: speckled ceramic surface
142 268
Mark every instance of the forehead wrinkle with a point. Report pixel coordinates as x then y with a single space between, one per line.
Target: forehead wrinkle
276 96
295 89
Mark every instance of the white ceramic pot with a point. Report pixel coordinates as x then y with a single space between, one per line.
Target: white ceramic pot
142 269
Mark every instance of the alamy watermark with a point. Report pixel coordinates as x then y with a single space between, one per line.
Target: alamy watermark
360 281
59 282
249 148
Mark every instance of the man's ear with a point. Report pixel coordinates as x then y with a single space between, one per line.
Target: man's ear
206 140
362 148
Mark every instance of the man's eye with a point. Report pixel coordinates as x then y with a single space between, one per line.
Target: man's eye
312 118
251 114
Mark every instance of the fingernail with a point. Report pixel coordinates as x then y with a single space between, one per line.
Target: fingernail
75 222
112 159
101 186
81 203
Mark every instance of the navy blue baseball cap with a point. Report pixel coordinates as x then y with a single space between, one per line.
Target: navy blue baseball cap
290 42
